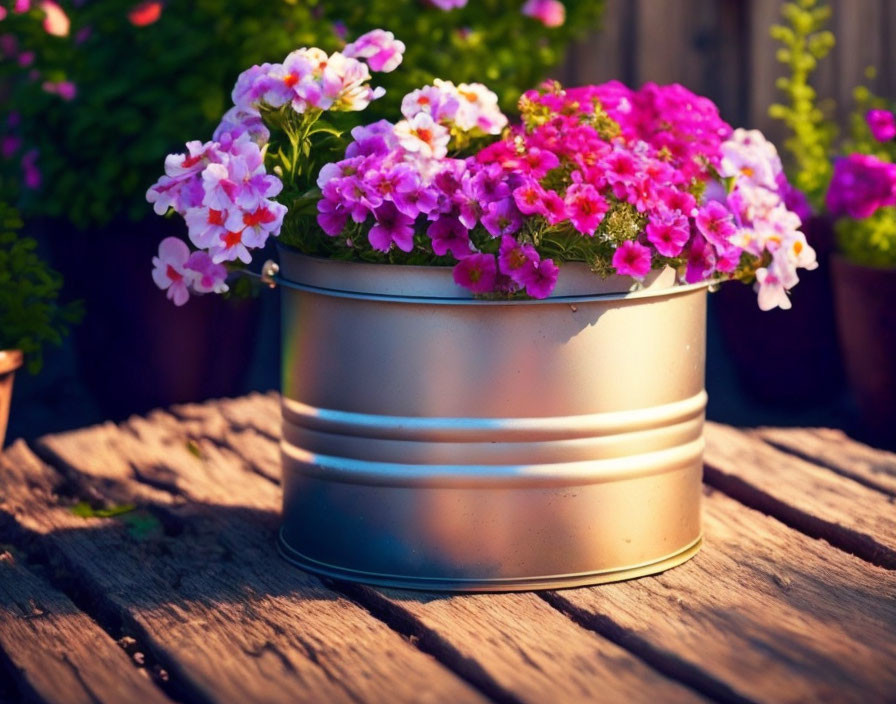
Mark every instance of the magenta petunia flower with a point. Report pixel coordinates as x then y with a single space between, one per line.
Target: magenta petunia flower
882 124
502 217
669 233
517 260
391 226
542 279
449 235
632 259
701 261
586 207
861 184
331 217
478 273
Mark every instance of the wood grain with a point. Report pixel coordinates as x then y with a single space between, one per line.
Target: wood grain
510 645
812 498
59 654
836 450
775 614
202 586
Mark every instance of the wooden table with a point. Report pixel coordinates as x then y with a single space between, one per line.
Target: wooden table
137 564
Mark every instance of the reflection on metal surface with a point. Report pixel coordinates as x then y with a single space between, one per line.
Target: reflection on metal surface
482 445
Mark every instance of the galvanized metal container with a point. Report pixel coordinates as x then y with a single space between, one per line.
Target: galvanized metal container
435 441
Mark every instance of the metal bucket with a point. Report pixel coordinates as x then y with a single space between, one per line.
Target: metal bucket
434 441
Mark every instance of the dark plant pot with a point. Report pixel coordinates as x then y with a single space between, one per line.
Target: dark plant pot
10 360
136 350
786 356
866 323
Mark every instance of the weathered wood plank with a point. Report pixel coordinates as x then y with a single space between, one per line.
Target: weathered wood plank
859 28
606 55
202 586
779 616
813 499
57 653
751 595
836 450
511 645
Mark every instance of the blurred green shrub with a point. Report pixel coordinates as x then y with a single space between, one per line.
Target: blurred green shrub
30 314
90 114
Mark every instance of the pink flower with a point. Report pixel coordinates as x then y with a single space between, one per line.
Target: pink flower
882 124
259 223
32 175
772 288
502 217
56 22
449 235
170 269
701 261
632 259
229 247
209 277
478 273
551 13
331 217
586 207
669 233
447 4
516 260
26 58
145 13
440 103
422 135
860 185
206 226
3 13
391 226
382 51
21 6
9 145
542 279
64 89
716 224
529 197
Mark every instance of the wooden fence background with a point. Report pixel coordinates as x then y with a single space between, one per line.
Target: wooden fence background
722 49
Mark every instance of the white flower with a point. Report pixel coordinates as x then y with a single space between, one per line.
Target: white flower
422 135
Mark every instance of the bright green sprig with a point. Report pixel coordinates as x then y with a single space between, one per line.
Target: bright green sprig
804 42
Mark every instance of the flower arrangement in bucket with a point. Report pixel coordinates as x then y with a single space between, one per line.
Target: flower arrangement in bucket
530 296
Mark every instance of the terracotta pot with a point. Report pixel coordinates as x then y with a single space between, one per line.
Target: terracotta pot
10 360
866 321
791 356
436 441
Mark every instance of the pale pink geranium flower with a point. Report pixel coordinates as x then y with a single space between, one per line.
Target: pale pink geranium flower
208 277
170 270
258 224
56 22
206 226
751 158
551 13
632 259
382 51
422 135
478 107
772 284
440 103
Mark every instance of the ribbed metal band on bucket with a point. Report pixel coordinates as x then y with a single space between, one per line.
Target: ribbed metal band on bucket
482 445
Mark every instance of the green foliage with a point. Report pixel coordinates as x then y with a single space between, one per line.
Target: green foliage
870 241
30 315
142 91
804 42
